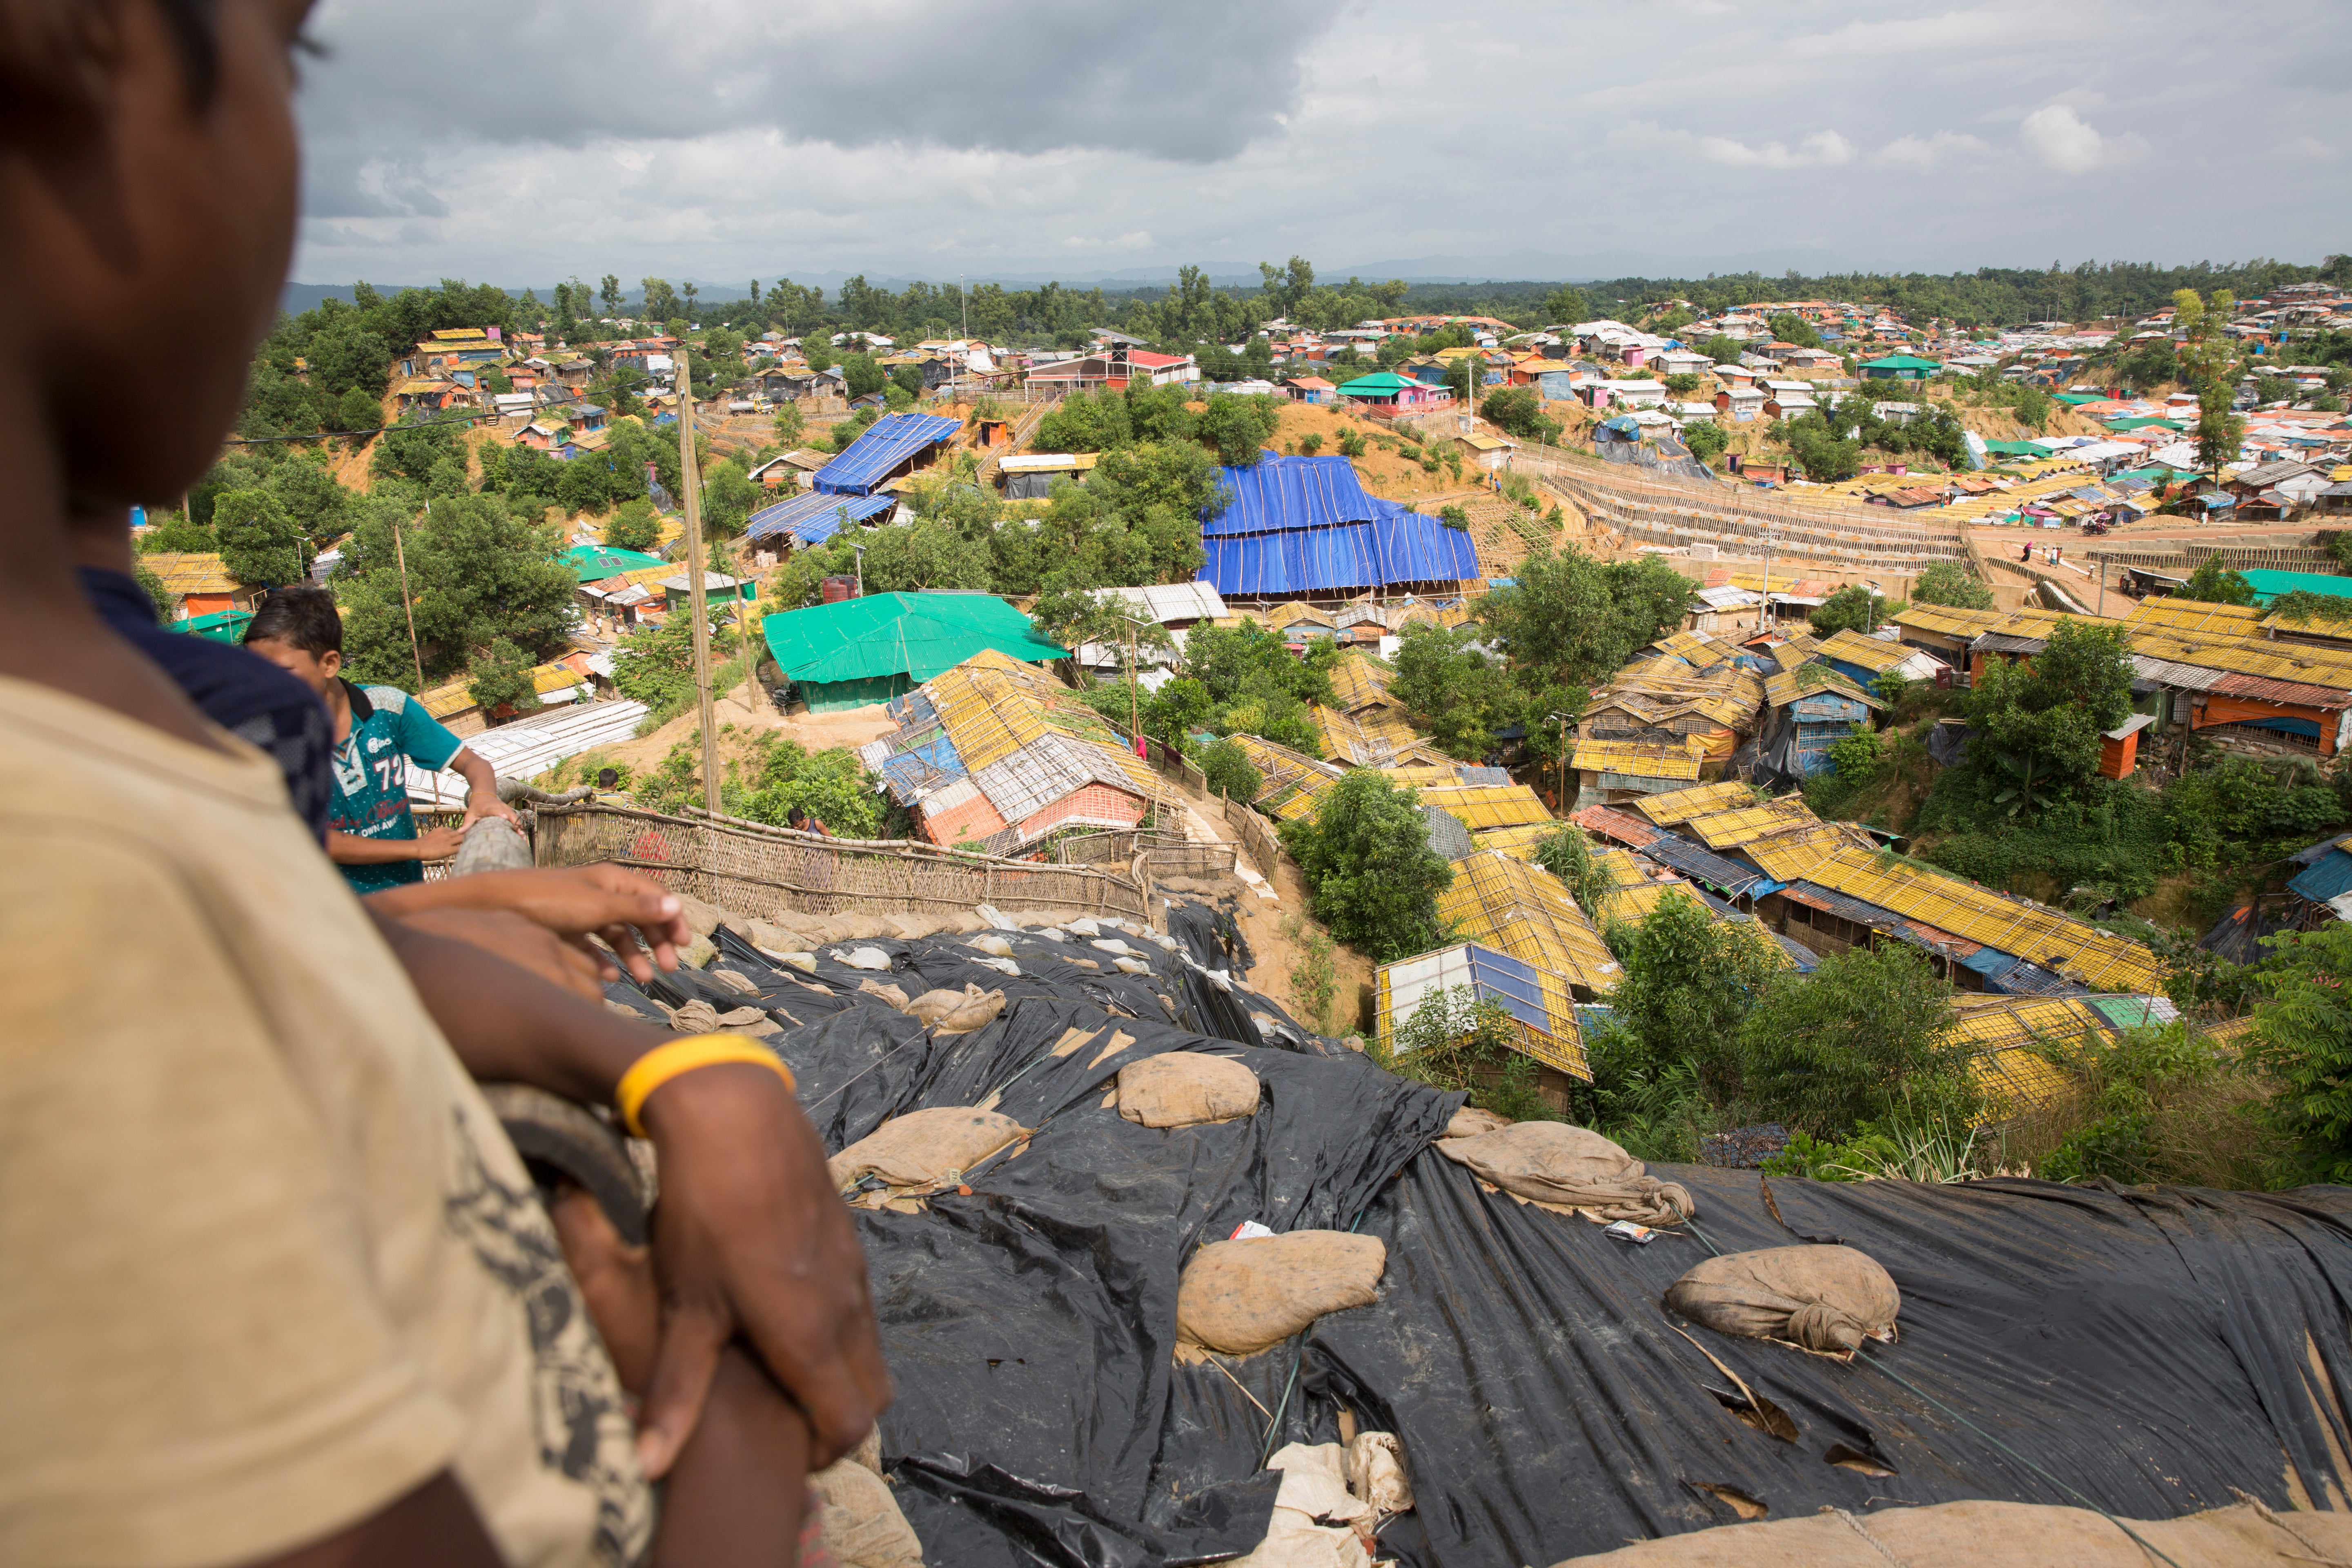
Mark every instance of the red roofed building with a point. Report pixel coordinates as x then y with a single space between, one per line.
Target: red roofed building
1115 369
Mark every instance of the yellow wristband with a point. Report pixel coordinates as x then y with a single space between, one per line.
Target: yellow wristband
663 1063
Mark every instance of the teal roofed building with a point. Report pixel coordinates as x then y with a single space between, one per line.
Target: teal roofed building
595 563
861 651
1899 367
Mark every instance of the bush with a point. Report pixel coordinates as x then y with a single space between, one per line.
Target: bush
1865 1038
1229 772
1949 583
831 786
1366 854
1310 443
634 525
1708 441
2158 1104
1851 608
1457 1041
2302 1032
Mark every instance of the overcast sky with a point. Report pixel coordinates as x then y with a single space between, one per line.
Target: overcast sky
517 141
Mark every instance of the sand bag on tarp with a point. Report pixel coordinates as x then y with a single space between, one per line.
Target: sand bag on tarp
1574 1167
1979 1534
1316 1521
1243 1297
1469 1121
862 1525
1185 1089
922 1146
957 1012
1823 1298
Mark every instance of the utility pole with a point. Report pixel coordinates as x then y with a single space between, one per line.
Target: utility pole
697 592
1763 617
400 554
1562 720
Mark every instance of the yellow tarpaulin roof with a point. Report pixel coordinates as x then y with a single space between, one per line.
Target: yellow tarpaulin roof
1700 800
1526 912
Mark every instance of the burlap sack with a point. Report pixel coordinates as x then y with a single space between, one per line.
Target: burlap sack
957 1012
920 1147
1822 1297
1977 1535
1469 1121
1183 1089
862 1525
1376 1472
1575 1167
1243 1297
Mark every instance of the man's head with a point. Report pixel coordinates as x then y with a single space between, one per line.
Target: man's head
796 817
299 630
147 190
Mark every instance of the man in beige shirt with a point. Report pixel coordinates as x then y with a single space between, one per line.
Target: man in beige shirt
278 1289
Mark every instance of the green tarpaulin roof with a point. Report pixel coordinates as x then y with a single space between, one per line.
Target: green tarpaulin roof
2269 585
2141 422
221 625
1378 383
1901 362
594 563
915 635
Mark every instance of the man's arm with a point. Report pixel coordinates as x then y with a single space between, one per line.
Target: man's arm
352 849
435 1523
749 1237
481 787
575 903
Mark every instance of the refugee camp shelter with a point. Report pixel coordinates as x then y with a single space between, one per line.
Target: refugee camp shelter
893 447
1306 525
866 650
811 517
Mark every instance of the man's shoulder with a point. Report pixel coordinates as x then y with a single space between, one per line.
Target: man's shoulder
388 698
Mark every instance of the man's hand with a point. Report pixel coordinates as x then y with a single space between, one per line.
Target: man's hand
439 842
750 1238
575 903
481 803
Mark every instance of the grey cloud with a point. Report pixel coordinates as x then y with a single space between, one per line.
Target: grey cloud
1193 83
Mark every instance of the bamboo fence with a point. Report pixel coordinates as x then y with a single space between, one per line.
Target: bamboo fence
752 869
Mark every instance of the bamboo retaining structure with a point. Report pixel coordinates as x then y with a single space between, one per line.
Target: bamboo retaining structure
752 869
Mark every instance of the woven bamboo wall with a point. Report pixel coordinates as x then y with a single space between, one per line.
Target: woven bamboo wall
1167 854
1256 835
752 870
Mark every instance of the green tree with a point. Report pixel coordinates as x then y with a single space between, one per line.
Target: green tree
1366 854
861 374
656 666
359 412
1794 328
259 542
1238 428
1519 411
1229 772
1866 1038
1688 982
2213 582
166 603
634 525
2208 363
1565 306
175 531
2039 725
1706 440
1721 350
501 679
1852 608
729 499
788 424
2303 1033
1949 583
1451 690
831 786
1571 620
476 573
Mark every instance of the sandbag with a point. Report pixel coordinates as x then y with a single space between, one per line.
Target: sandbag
1243 1297
921 1147
1314 1489
1469 1121
956 1012
1185 1088
1376 1472
1575 1167
861 1523
1826 1298
1981 1534
895 995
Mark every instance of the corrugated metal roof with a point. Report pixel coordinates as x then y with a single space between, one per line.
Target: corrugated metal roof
529 747
887 442
2283 691
1702 864
1619 826
2179 676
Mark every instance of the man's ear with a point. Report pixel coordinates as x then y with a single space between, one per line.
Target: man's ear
331 661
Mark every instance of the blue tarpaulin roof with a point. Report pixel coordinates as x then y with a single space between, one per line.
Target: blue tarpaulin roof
888 442
1294 492
813 517
1393 551
2329 877
1292 525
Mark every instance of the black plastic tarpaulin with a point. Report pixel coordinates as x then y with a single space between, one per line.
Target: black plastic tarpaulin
2145 1351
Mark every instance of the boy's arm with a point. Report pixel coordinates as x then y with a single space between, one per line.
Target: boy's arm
481 787
354 849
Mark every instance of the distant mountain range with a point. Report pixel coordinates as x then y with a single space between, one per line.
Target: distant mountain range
1515 266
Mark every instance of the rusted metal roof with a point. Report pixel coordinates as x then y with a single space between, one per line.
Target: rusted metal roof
2179 677
2285 692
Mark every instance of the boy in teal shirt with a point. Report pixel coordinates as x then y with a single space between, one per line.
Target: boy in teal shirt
370 833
